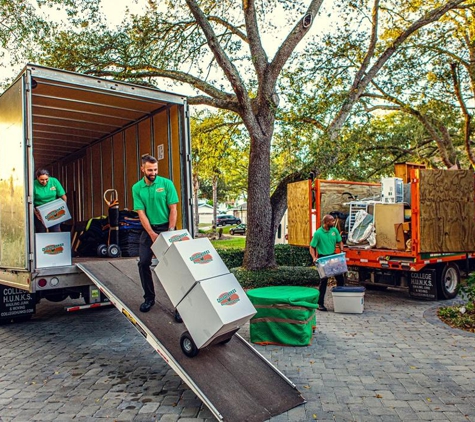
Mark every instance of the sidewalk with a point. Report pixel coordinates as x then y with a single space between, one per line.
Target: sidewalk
394 362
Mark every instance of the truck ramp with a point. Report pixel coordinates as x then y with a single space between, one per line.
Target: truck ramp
234 381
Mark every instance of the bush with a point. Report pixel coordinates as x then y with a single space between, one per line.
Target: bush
281 276
285 255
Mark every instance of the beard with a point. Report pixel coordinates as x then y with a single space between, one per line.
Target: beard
151 177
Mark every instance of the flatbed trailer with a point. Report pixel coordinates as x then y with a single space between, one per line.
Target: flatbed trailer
439 240
233 380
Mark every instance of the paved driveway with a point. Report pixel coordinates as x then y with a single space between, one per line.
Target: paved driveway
394 362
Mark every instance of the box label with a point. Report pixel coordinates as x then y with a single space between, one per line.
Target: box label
204 257
228 298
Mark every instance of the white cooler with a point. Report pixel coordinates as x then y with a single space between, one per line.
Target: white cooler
163 242
54 212
349 300
214 307
185 263
53 249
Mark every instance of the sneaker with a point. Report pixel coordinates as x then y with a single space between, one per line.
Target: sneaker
322 308
147 305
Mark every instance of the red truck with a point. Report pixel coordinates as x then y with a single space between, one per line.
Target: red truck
422 239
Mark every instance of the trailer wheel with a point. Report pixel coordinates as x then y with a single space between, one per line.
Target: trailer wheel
102 251
188 346
448 280
113 251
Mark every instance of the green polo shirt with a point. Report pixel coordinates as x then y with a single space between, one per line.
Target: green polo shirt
44 194
155 198
325 241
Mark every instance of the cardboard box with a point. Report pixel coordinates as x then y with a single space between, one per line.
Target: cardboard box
214 307
163 242
185 263
348 300
54 212
402 236
53 249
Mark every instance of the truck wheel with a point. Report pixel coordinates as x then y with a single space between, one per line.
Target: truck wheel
102 251
448 280
188 346
113 251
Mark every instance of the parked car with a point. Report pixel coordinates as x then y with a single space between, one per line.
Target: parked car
223 220
239 229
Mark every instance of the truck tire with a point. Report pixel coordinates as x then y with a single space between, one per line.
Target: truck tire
448 280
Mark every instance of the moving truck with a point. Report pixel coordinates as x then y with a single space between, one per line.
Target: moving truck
422 222
90 134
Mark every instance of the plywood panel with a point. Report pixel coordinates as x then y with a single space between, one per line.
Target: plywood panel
160 127
107 164
176 168
298 208
132 166
119 170
97 201
447 221
145 137
385 217
336 196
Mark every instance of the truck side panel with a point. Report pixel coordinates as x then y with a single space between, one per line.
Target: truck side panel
13 175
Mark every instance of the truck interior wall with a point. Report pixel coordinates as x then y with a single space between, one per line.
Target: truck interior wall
114 163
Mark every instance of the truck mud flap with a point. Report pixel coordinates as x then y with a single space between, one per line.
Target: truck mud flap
233 380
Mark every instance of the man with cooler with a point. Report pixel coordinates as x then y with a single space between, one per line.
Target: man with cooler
323 243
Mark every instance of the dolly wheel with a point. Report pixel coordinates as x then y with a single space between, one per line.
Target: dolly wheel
113 251
102 251
188 346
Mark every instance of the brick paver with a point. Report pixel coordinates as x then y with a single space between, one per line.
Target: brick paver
394 362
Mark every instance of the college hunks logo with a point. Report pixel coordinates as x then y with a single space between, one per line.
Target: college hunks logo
53 249
55 214
179 238
201 257
228 298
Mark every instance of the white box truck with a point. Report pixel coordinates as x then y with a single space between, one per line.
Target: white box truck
90 134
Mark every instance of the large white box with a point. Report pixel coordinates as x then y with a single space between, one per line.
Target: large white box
54 212
165 239
186 263
214 307
53 249
348 300
392 190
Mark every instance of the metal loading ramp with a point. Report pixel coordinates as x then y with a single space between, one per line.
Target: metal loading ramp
233 380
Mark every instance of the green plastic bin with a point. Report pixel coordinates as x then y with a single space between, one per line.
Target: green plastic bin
285 315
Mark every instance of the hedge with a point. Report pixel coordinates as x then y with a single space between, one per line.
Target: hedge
281 276
285 255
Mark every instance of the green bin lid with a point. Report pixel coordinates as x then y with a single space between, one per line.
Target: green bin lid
294 295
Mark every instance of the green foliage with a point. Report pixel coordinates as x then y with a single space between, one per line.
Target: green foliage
285 255
281 276
468 290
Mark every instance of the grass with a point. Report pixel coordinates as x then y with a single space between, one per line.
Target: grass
462 316
238 242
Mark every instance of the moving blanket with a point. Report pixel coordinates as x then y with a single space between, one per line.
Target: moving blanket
285 315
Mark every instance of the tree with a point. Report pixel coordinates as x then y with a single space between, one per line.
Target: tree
222 46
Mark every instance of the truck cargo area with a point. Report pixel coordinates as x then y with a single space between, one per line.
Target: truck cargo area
232 379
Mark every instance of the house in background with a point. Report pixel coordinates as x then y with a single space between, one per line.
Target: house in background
205 213
239 211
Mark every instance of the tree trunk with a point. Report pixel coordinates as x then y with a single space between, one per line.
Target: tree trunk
259 252
215 201
196 216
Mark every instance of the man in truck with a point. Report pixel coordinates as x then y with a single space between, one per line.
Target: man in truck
155 200
323 243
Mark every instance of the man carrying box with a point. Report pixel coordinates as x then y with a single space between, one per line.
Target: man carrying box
155 200
323 243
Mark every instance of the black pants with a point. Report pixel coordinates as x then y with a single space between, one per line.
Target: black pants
340 281
145 260
40 227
